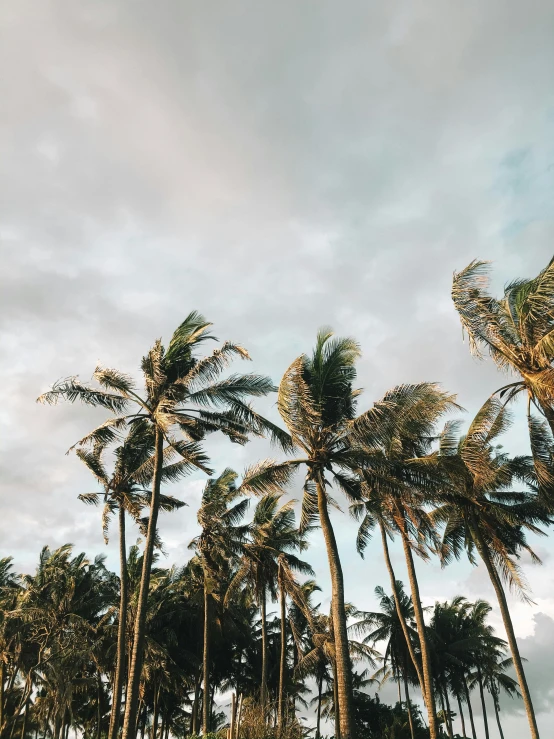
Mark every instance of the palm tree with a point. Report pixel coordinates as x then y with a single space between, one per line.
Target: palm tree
317 402
182 392
385 625
268 565
397 490
480 511
219 544
123 494
517 330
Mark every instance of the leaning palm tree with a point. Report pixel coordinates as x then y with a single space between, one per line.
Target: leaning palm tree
124 495
396 491
317 402
218 545
181 393
517 330
480 512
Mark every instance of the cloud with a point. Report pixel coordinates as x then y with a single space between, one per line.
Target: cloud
278 166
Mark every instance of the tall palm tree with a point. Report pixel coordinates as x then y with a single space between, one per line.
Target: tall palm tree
219 543
480 511
123 494
517 330
268 566
317 402
181 393
385 625
397 490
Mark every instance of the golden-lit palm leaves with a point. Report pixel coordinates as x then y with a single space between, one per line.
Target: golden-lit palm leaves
517 330
480 511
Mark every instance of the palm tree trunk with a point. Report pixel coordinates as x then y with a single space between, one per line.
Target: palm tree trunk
99 707
336 706
194 712
469 709
508 625
418 612
497 714
408 705
482 692
282 667
122 628
263 692
448 718
319 695
131 703
342 658
26 715
403 623
156 714
461 715
206 660
444 713
239 716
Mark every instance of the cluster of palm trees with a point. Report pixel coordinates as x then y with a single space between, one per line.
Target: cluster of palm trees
404 471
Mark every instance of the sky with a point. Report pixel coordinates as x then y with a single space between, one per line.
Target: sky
279 167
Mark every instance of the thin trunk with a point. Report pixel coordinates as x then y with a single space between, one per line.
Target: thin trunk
461 715
443 707
399 691
469 709
131 703
418 612
549 415
342 656
25 716
282 667
319 695
336 706
399 613
99 707
408 705
156 713
508 625
497 714
448 718
121 630
206 659
233 716
239 716
263 691
143 723
482 692
194 713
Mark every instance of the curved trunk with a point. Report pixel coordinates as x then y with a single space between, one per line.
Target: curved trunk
131 702
497 714
206 661
483 705
342 656
283 663
425 656
318 719
461 715
508 625
408 704
448 719
122 628
405 631
263 691
469 709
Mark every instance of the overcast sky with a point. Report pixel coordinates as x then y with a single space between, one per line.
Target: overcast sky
278 166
